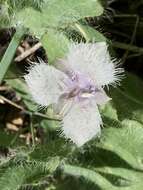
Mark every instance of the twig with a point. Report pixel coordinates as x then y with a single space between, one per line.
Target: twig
4 88
119 33
11 103
134 55
28 52
56 117
125 16
12 78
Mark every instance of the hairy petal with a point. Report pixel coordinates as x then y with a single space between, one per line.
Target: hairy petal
82 123
101 97
62 65
44 83
93 59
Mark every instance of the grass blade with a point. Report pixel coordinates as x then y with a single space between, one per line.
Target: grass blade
10 52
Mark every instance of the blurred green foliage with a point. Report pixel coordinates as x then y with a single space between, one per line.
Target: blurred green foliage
112 162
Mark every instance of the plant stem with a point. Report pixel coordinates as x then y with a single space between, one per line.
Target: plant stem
32 131
11 103
38 114
10 52
132 39
128 47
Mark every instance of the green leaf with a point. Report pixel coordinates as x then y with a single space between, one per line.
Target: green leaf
126 142
49 125
128 99
109 110
6 139
10 52
88 174
132 85
125 179
129 175
9 9
57 13
55 44
65 12
117 157
4 15
54 146
16 5
89 33
27 174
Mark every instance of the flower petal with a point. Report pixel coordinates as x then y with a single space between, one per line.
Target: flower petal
82 123
101 97
94 60
44 83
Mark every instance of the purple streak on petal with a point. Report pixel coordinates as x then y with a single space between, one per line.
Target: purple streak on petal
81 88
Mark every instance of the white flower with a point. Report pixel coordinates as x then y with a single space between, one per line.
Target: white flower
93 59
76 87
44 83
82 123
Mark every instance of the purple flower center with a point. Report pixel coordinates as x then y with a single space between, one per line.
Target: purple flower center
80 86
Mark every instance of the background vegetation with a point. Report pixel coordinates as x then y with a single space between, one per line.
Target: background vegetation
32 154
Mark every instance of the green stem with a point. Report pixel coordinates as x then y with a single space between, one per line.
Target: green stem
32 131
10 52
132 39
128 47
